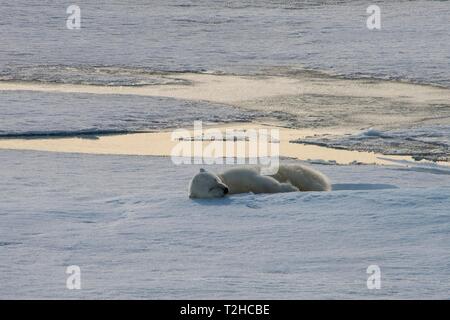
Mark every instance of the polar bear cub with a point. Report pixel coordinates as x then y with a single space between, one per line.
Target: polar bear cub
289 178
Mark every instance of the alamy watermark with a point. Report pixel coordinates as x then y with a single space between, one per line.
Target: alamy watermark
233 146
374 279
374 20
74 19
73 281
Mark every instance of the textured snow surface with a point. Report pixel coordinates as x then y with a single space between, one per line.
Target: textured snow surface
129 225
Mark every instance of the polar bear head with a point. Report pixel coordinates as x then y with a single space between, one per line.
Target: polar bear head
207 185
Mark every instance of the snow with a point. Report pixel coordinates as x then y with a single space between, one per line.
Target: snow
129 225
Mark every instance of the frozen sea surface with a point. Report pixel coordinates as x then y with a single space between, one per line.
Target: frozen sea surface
25 113
234 35
129 225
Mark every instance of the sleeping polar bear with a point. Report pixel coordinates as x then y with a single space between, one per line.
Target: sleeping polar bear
289 178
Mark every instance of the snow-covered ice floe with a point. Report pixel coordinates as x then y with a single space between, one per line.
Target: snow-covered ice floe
423 142
127 222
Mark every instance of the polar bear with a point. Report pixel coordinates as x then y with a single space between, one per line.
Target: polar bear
289 178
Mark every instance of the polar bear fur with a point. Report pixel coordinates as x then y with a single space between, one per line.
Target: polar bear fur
289 178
